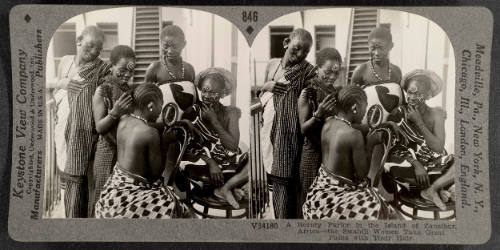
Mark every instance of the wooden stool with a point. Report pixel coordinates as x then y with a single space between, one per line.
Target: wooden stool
412 200
206 199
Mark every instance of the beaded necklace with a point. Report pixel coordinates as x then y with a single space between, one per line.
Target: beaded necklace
344 120
139 118
375 72
172 74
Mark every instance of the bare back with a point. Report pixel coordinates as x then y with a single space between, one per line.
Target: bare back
343 150
138 147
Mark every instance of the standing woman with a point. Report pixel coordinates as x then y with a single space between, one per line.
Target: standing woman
110 102
80 130
316 102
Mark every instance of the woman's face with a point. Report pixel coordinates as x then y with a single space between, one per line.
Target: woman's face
211 91
124 69
360 112
90 47
415 92
171 47
297 49
329 71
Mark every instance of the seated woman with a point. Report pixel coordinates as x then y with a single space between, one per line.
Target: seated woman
135 189
423 127
341 190
316 102
109 103
216 148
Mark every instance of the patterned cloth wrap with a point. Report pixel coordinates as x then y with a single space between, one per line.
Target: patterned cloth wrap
205 141
126 195
177 98
436 163
338 198
382 99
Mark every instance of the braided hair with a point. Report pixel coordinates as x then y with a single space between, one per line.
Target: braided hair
350 95
144 93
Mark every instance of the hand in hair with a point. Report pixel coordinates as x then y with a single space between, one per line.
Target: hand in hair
122 105
326 107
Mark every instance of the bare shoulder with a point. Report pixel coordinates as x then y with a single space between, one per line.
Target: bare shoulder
154 65
233 111
358 73
438 113
396 71
188 67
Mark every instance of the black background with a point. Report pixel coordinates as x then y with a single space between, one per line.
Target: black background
6 128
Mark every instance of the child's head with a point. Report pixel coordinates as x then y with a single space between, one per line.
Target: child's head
328 61
380 44
122 59
214 84
172 42
421 85
148 99
297 45
89 43
352 101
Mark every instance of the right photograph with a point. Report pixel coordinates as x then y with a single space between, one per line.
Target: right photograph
352 117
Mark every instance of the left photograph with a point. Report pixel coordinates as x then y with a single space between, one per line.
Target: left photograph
147 114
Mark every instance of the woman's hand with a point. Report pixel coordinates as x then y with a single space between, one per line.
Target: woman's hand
275 87
122 105
74 86
208 113
421 174
326 107
216 175
414 115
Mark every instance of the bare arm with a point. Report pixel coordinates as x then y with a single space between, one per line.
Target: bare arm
155 154
151 73
306 119
357 75
230 137
103 119
359 155
435 138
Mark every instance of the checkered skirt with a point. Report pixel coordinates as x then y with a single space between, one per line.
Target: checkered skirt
328 198
125 197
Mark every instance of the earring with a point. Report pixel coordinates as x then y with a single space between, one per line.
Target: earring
354 111
151 109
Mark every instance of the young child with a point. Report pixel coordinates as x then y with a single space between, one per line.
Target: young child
341 190
135 189
110 102
286 78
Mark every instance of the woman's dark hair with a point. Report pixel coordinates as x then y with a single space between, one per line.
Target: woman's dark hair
144 93
121 51
350 95
327 54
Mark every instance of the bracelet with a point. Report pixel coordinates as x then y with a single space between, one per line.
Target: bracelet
316 117
412 160
114 117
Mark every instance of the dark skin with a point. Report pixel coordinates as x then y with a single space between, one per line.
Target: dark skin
104 122
379 50
296 51
139 146
309 120
429 122
171 51
343 147
211 92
